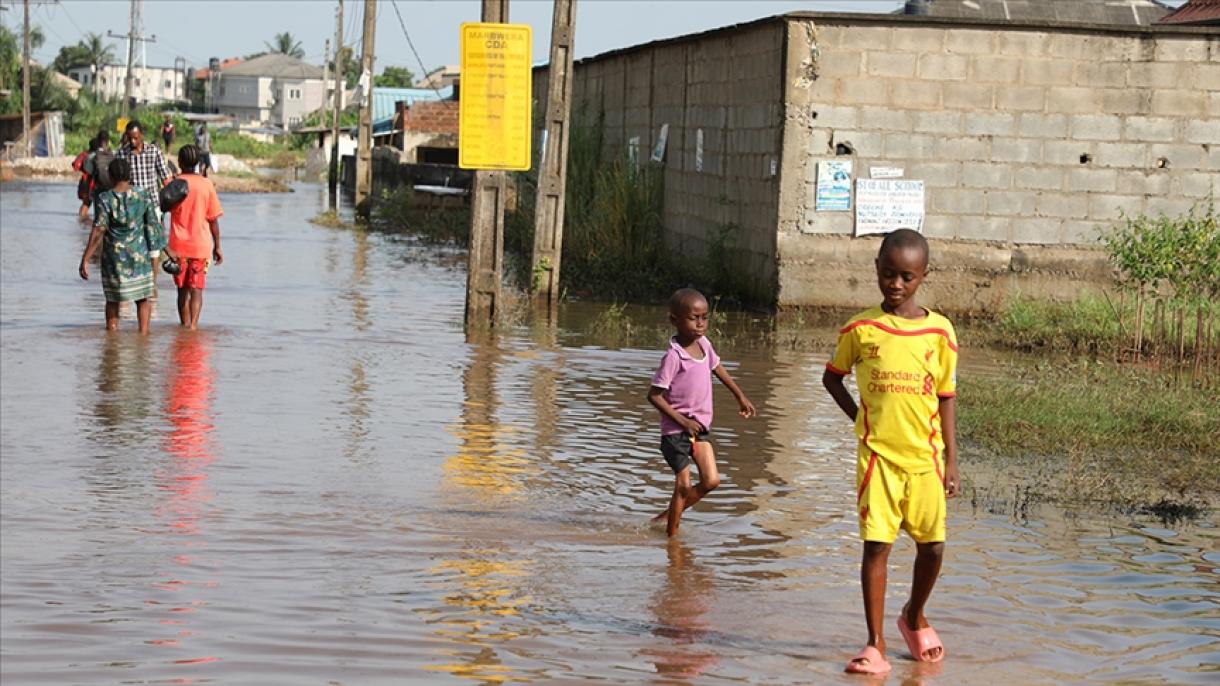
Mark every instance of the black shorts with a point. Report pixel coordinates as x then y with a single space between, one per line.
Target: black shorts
676 449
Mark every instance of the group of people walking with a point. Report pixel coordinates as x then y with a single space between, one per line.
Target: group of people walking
124 189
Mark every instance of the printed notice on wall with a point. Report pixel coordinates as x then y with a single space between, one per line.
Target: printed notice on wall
658 151
883 205
834 186
698 150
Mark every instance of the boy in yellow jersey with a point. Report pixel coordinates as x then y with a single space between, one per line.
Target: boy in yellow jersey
905 358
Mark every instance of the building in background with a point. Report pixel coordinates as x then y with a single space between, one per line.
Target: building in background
440 77
149 84
1012 143
270 90
1195 13
1110 12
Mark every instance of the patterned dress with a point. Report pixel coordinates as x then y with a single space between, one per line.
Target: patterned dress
133 230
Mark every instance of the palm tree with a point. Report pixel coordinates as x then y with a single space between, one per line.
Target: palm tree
285 44
97 52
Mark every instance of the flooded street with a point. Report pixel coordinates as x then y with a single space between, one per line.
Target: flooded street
329 483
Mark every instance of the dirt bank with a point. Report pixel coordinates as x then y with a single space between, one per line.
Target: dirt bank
61 168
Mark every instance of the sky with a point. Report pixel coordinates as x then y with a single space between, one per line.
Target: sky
198 29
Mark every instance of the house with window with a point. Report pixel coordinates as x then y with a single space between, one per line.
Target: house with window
270 90
149 84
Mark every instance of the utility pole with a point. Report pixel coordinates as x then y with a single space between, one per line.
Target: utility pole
326 79
135 33
552 177
25 82
132 23
486 257
364 144
332 176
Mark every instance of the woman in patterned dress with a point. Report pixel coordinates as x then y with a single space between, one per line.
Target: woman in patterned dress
127 225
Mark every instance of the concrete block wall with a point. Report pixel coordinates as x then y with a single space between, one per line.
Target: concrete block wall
728 85
1029 141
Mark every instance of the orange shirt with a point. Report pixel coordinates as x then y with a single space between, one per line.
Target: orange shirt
189 235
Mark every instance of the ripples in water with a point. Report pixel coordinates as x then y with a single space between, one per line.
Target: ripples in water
330 483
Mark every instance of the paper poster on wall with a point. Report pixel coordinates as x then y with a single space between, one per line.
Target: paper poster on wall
883 205
698 150
834 186
658 151
885 172
633 150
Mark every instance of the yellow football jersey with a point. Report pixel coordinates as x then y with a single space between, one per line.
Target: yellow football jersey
903 368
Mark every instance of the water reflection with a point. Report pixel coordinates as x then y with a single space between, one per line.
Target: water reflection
680 605
183 585
489 467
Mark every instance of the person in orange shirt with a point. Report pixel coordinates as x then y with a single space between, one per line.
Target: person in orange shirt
905 360
194 237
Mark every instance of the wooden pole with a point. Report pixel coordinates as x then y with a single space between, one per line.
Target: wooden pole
25 82
326 59
332 175
131 58
364 144
552 177
485 265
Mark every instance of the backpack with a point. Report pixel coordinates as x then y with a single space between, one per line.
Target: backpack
78 164
100 164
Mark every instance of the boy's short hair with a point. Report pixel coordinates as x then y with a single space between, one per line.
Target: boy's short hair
683 297
904 238
120 170
103 136
133 125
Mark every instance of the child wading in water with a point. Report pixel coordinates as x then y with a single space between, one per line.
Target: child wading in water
126 224
194 238
682 392
905 357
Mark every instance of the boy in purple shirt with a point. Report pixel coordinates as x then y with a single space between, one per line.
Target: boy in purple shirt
682 392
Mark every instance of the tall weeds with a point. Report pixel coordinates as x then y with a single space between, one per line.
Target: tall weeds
1172 264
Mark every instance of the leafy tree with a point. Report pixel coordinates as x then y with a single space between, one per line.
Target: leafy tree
10 55
351 66
285 44
89 51
394 77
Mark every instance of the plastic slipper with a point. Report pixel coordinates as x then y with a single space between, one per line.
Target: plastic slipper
920 642
868 661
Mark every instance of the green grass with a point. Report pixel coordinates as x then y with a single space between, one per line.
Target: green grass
1100 432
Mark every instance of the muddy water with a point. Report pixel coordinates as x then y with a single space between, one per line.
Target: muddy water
331 484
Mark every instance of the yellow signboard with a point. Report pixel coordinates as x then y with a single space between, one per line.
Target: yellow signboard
495 104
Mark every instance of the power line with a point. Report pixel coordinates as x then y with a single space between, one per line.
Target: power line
418 60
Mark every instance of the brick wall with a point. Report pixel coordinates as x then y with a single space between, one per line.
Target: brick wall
1028 140
432 117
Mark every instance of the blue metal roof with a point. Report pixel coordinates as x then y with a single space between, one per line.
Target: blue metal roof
385 98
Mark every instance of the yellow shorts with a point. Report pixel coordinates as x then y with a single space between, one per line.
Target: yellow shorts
889 499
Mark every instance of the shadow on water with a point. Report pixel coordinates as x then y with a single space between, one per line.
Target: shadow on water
332 482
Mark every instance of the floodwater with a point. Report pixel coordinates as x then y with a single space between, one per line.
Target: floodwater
331 484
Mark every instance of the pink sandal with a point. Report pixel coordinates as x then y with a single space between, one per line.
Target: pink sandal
868 661
920 642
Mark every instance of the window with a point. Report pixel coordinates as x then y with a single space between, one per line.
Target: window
222 91
169 84
137 83
294 93
243 89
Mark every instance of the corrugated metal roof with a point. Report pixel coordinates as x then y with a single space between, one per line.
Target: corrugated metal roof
384 100
1122 12
1200 12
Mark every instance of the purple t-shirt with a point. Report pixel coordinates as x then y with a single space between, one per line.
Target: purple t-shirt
687 383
